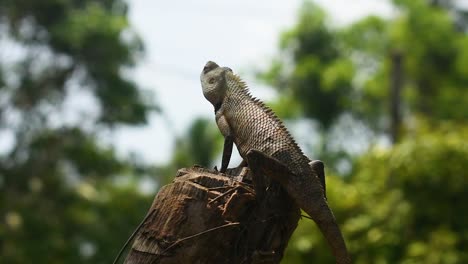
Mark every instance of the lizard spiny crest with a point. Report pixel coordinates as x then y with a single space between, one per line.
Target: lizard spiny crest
242 88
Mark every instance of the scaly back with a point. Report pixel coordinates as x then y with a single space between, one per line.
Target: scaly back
255 126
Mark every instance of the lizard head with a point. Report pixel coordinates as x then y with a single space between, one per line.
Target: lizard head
213 81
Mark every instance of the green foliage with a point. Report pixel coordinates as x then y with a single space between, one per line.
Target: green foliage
401 205
76 225
431 48
319 78
60 196
330 72
65 197
89 42
430 60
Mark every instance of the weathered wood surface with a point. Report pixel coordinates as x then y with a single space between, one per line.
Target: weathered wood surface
207 217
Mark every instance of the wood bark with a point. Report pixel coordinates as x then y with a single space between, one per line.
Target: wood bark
207 217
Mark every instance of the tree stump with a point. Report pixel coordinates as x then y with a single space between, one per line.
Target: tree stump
205 216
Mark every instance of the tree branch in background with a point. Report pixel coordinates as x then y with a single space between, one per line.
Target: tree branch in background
396 83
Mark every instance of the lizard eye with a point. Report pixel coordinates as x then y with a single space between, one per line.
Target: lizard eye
211 80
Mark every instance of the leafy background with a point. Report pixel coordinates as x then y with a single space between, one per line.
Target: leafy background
386 99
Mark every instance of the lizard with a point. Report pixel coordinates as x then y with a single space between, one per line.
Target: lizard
262 140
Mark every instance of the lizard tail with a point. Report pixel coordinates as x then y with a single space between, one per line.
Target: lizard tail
308 193
325 220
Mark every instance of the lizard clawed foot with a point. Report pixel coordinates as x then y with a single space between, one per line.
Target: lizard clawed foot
222 170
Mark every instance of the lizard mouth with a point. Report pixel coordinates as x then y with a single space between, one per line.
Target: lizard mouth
209 66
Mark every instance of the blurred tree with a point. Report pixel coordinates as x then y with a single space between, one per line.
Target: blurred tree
331 73
61 199
314 77
404 77
435 85
311 58
403 205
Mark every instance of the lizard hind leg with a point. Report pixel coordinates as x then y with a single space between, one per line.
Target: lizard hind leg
264 168
319 168
262 164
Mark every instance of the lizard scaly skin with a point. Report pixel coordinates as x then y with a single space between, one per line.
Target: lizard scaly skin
261 137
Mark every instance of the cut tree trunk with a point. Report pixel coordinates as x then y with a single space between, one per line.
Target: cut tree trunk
208 217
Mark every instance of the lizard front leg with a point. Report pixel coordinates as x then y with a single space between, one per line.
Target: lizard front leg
225 129
227 151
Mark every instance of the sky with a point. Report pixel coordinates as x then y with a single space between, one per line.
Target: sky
181 36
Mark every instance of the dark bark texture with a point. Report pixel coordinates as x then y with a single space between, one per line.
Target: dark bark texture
207 217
